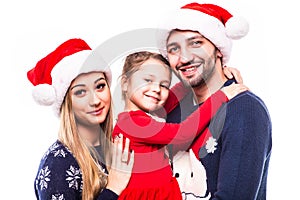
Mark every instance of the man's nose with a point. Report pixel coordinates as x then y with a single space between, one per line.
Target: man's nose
185 56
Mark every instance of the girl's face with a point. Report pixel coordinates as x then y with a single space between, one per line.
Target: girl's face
91 98
148 88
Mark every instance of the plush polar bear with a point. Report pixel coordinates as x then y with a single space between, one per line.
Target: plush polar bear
191 176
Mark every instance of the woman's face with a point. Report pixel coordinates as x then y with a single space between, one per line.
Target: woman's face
91 98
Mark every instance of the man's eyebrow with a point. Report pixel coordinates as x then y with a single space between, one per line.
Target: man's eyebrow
188 39
195 37
171 44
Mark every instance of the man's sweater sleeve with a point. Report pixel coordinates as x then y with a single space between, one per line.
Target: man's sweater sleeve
246 145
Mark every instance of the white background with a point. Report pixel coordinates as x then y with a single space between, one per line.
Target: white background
267 58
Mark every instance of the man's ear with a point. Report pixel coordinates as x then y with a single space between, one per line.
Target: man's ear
219 54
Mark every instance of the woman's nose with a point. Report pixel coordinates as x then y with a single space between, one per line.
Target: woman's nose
95 99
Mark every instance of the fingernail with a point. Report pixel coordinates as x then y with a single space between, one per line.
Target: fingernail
116 138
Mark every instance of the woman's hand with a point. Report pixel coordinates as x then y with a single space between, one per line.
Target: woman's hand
121 168
231 72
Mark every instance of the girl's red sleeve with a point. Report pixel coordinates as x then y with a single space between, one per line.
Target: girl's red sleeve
177 93
140 127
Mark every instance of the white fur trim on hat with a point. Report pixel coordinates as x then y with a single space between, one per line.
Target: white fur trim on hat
237 27
44 94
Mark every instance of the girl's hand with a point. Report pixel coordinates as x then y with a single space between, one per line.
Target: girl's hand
234 89
231 72
121 168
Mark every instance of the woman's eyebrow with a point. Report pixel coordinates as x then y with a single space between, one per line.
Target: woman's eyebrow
99 79
78 85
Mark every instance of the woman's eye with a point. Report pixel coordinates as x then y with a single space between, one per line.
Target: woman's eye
148 80
79 92
100 86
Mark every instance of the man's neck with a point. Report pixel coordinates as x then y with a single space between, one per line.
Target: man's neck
211 86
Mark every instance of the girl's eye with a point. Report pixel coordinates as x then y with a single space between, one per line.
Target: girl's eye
79 92
164 86
148 80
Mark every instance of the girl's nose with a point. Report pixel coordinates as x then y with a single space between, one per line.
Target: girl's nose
155 87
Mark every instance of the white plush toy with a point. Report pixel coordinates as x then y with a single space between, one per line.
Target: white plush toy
191 176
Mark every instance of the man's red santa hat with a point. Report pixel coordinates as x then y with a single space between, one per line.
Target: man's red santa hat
52 75
212 21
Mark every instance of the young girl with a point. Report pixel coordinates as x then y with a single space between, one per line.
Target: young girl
74 167
146 79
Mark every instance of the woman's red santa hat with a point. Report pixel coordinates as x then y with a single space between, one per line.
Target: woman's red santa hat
52 75
212 21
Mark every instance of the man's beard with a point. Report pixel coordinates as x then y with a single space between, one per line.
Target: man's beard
201 78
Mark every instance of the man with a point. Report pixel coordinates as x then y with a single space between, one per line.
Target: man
235 149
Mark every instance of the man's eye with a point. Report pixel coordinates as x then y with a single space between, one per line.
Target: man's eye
196 43
173 50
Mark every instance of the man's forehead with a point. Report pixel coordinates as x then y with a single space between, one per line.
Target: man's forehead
176 34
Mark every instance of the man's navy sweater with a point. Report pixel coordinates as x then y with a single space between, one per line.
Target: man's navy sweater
238 168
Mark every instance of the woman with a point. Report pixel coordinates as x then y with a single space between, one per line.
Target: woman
77 165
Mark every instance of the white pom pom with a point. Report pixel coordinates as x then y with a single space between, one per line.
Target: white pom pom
237 27
44 94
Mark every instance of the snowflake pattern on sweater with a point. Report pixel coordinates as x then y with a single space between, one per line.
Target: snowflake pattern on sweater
59 175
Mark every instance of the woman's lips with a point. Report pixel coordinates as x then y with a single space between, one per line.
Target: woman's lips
96 112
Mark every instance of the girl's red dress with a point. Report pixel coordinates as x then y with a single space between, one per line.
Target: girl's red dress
152 176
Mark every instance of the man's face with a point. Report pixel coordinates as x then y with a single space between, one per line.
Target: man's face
191 56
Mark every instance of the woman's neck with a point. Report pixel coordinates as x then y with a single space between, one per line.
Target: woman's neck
90 133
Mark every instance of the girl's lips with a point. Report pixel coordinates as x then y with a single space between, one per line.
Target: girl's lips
153 98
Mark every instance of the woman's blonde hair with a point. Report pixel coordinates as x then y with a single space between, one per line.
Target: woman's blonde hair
94 179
